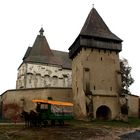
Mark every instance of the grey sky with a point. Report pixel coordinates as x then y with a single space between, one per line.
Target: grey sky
62 21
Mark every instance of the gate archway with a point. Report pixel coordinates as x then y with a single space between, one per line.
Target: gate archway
103 113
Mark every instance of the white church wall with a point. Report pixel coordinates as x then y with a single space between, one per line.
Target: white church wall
38 75
20 83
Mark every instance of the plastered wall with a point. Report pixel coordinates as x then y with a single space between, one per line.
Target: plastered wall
37 75
103 79
14 101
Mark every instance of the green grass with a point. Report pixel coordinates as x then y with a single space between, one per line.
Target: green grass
74 128
132 122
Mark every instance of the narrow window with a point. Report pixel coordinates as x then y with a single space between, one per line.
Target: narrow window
77 89
86 80
101 59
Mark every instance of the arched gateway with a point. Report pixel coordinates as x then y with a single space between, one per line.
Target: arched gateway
103 113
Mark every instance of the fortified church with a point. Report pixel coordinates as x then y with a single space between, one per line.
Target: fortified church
88 75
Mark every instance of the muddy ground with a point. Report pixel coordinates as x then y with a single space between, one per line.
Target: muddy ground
70 131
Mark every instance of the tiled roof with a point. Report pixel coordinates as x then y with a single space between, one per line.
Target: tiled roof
64 56
95 26
41 53
95 34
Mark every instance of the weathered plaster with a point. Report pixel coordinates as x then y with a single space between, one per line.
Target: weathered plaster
38 75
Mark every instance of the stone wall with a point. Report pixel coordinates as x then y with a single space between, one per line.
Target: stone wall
14 101
111 102
95 71
38 75
133 104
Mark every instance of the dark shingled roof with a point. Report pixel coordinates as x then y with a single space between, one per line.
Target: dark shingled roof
64 56
95 34
96 27
41 53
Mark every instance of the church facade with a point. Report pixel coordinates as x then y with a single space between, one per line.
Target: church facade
88 75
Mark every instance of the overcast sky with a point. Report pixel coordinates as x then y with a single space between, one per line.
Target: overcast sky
21 20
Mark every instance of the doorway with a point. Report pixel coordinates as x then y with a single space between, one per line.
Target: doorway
103 113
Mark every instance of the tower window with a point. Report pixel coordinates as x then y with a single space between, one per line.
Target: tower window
77 89
86 69
101 58
86 79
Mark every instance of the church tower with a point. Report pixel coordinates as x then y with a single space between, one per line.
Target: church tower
95 62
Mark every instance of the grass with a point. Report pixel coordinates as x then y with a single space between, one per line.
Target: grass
74 129
132 122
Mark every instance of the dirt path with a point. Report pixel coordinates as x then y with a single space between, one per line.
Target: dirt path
67 132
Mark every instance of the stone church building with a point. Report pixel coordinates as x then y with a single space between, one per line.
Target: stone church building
87 75
43 67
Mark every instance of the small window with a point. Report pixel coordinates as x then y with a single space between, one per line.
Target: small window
86 79
101 58
86 69
77 89
65 76
94 87
55 76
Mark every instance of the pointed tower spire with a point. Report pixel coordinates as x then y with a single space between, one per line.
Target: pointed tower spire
95 26
40 51
95 34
